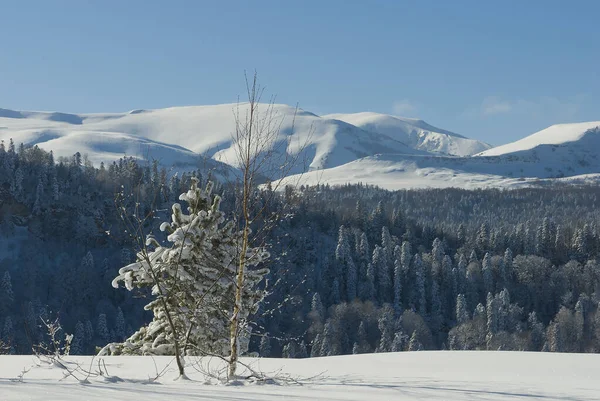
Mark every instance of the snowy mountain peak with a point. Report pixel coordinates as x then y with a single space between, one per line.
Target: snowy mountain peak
558 134
414 132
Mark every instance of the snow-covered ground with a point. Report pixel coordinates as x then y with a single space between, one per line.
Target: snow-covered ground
441 375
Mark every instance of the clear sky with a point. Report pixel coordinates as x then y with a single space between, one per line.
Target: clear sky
491 70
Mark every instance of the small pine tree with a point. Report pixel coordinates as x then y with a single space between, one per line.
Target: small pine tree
414 344
399 343
264 348
419 289
7 295
193 283
398 278
119 325
78 342
462 313
102 329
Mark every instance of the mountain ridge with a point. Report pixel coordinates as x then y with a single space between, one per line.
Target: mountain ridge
389 151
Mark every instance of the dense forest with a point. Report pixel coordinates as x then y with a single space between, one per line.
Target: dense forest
355 269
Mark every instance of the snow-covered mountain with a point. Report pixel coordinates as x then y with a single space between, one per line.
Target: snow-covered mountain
377 149
415 133
179 133
560 134
571 155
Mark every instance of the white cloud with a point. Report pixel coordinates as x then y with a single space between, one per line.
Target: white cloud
561 110
494 105
404 108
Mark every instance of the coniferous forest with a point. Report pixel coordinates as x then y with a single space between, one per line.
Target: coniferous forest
354 269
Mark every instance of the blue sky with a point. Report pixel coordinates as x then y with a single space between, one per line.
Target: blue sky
492 70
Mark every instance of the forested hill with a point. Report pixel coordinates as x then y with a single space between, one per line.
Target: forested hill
355 269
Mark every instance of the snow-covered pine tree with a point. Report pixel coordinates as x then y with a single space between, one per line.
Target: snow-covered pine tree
119 325
487 273
78 341
419 290
102 328
264 349
192 283
386 328
398 278
462 313
414 344
6 294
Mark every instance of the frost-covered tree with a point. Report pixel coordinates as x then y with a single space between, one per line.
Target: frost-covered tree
192 283
398 278
462 312
119 325
386 328
7 295
264 348
487 273
419 289
414 344
102 328
78 341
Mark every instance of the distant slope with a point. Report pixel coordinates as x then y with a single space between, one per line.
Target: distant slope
371 148
415 133
203 130
554 135
579 159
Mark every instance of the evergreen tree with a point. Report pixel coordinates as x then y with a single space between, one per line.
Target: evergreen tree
363 342
102 329
487 272
119 325
264 348
462 313
386 328
399 342
8 332
78 342
192 283
492 317
419 289
398 278
7 295
414 344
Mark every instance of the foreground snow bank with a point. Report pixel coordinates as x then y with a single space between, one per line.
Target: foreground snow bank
393 376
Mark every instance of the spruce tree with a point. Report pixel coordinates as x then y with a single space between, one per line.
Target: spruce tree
398 278
119 325
414 344
419 289
78 341
264 348
462 313
7 295
192 283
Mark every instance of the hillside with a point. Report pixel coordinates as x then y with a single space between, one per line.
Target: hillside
415 133
180 132
391 152
560 134
389 376
577 158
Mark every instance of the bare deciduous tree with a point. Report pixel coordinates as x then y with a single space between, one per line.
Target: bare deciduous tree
264 153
